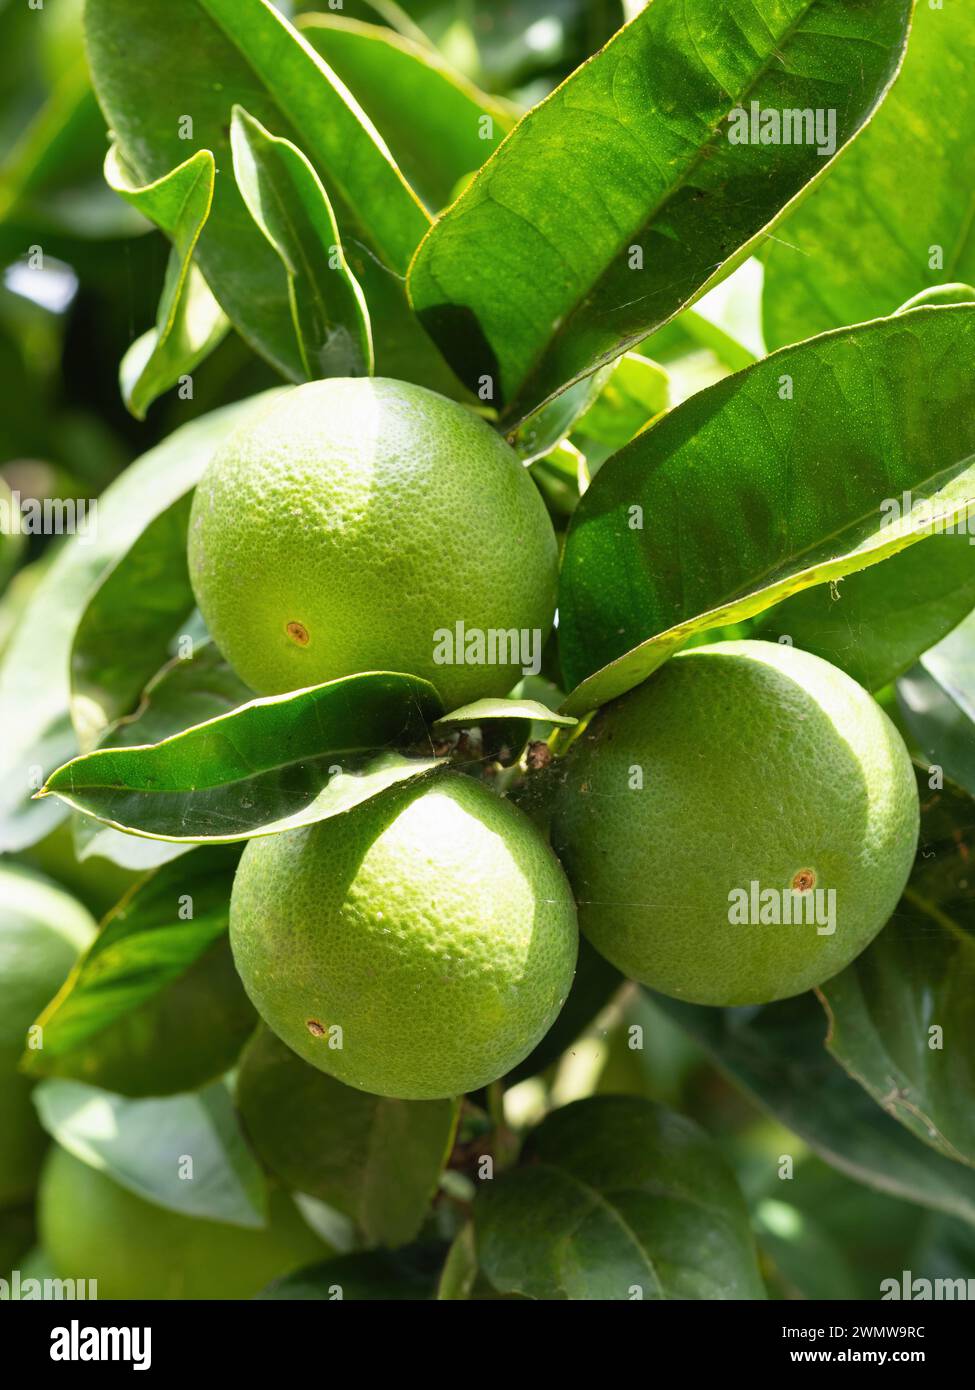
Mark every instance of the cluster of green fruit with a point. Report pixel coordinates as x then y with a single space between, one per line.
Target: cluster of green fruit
421 945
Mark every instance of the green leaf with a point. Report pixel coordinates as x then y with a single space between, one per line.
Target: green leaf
546 428
617 1198
382 1275
460 1267
776 1054
286 199
269 765
875 624
437 124
137 607
378 1161
895 201
158 68
635 393
154 1006
190 322
504 726
144 1145
34 676
914 978
621 197
765 484
937 704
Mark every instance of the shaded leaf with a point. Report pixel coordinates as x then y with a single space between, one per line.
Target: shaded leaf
371 1274
765 484
286 199
900 1016
376 1160
138 605
154 1006
937 701
776 1053
615 1195
621 197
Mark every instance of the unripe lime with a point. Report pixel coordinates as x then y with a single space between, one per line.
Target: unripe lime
92 1228
42 930
353 525
739 827
418 947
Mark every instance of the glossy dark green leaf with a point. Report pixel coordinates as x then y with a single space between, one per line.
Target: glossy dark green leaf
876 623
190 322
273 764
901 1021
286 199
154 1006
376 1160
865 240
191 61
617 1198
34 675
936 699
622 196
437 124
768 483
546 428
776 1053
137 607
382 1275
153 1146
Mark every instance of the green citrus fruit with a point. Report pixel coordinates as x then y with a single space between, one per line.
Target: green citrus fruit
92 1228
354 525
740 827
417 947
42 930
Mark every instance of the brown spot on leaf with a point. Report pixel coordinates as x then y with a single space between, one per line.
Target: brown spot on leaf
315 1028
298 633
804 880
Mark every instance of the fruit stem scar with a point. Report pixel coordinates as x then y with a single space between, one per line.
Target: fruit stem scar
298 633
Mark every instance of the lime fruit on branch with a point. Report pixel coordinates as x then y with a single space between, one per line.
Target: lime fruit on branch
418 947
740 827
354 526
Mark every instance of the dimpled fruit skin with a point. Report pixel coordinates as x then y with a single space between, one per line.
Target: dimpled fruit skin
92 1228
758 761
373 513
435 927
